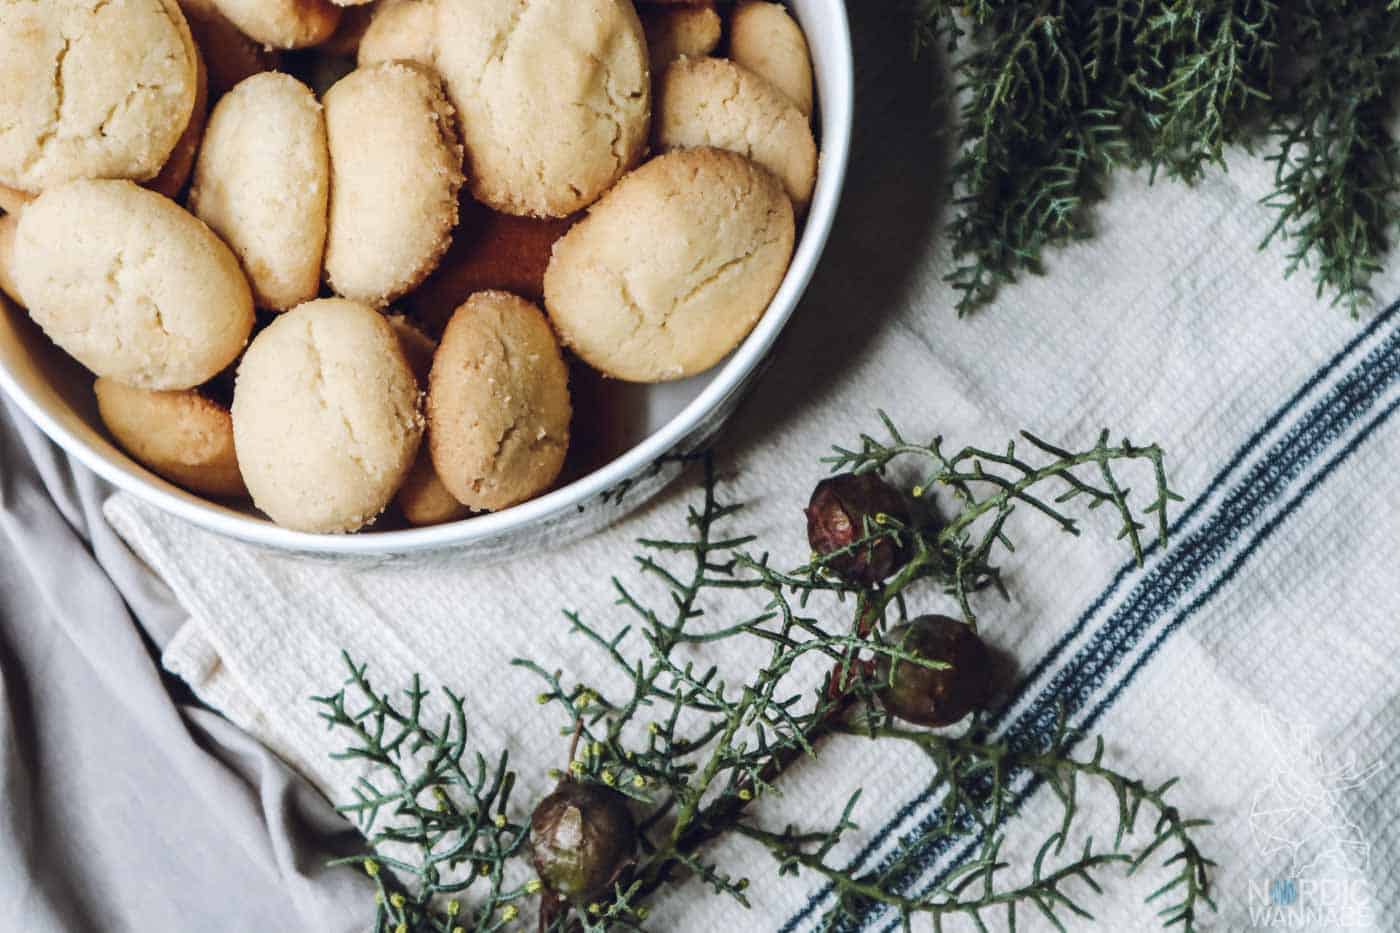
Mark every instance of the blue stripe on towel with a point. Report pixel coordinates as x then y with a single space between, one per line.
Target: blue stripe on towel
970 847
1189 564
1312 435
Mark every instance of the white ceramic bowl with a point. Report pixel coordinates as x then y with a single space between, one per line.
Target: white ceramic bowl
666 420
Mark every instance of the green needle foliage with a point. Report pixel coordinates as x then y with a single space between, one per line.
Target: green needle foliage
1056 94
698 751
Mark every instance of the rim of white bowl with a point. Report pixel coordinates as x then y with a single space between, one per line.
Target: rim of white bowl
837 120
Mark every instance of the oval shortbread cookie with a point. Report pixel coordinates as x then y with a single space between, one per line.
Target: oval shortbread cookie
91 90
714 102
767 41
498 403
183 436
553 97
395 174
263 182
283 24
131 285
325 416
673 267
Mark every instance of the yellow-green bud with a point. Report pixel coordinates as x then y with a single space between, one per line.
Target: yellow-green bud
543 698
499 820
510 913
745 794
397 900
371 867
609 778
639 781
533 886
454 908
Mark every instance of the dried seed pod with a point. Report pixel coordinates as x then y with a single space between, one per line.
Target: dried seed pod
928 696
581 838
838 515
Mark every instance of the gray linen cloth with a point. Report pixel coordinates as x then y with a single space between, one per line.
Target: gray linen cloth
127 805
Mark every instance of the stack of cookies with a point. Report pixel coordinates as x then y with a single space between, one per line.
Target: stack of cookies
373 299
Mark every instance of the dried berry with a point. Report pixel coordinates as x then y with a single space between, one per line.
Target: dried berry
841 509
581 838
929 696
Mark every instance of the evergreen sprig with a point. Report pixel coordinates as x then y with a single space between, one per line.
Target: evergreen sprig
1056 94
444 808
698 750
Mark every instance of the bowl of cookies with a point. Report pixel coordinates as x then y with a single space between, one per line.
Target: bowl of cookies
386 278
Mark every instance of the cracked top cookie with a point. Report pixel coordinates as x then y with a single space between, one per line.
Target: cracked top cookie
130 285
92 89
553 96
325 416
673 267
498 403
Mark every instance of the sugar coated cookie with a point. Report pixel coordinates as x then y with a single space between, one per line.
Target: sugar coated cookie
553 97
263 182
91 90
400 30
680 31
396 168
767 41
325 416
283 24
182 436
422 498
673 267
714 102
131 285
498 403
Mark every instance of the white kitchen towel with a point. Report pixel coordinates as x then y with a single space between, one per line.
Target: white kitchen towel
1254 657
